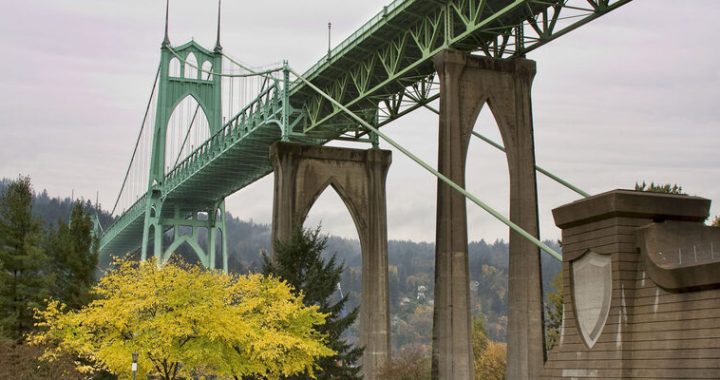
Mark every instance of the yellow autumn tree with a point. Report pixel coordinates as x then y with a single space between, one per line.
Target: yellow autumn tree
186 321
490 357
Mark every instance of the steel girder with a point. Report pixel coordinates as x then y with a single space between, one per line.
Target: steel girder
385 70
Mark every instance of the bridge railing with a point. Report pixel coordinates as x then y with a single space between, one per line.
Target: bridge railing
123 220
355 37
266 108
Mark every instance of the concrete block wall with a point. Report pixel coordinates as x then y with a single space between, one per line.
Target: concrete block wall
651 332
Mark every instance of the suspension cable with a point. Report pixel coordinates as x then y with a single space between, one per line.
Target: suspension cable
537 167
436 173
137 142
251 74
245 67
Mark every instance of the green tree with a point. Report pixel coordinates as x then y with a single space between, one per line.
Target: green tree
23 263
74 258
554 313
299 261
185 322
658 188
716 221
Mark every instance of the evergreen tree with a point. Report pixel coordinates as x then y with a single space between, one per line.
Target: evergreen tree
23 263
74 258
299 261
660 188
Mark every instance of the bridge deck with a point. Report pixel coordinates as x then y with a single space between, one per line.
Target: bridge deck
372 72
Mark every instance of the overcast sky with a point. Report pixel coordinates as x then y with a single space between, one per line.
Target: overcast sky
632 96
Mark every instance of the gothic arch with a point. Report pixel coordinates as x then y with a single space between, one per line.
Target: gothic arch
175 68
201 119
206 73
466 82
348 201
180 98
304 172
188 240
191 67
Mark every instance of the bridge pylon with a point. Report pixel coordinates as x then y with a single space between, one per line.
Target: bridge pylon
302 173
186 71
467 83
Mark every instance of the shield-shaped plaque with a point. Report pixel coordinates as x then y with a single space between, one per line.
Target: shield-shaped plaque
592 292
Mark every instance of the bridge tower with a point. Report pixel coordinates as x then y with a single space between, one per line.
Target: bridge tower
188 70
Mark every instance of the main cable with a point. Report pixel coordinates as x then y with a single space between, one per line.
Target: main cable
137 142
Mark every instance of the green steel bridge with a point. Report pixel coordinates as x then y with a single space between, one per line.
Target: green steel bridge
210 119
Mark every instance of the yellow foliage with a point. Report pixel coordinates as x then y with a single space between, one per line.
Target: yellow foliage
492 361
490 356
210 322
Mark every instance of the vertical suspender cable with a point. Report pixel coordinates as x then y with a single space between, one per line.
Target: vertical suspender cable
142 127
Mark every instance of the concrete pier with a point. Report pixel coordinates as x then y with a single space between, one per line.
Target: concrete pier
467 83
641 290
302 173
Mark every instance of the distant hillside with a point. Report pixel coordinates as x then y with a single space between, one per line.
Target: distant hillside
411 271
52 209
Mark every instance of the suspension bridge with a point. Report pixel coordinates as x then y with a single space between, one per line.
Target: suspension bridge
214 125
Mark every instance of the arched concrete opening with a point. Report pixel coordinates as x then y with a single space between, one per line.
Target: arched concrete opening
302 173
331 213
466 84
487 265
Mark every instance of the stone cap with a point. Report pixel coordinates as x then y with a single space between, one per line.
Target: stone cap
681 256
381 156
634 204
458 57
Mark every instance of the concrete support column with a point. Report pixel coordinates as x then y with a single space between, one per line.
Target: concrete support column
375 298
302 173
452 357
466 84
525 333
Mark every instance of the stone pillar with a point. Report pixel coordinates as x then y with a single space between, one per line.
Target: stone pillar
466 84
641 291
512 105
302 173
452 357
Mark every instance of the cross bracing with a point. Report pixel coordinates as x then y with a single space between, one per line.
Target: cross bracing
381 72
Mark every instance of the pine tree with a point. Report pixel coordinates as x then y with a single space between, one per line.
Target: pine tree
23 263
660 188
74 258
299 261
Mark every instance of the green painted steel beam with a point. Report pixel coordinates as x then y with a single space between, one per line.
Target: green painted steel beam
480 27
537 167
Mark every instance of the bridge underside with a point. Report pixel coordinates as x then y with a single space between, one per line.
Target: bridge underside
213 172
